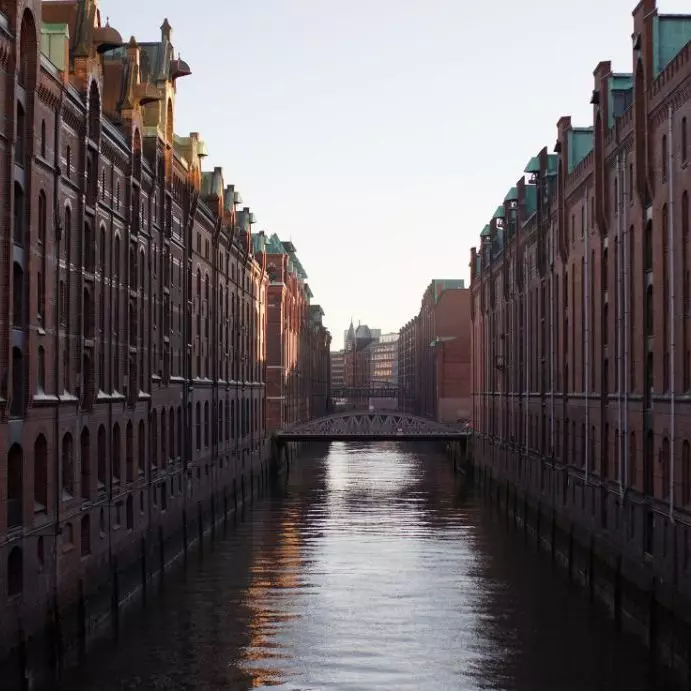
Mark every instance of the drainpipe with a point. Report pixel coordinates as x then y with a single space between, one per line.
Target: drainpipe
57 222
627 307
586 348
526 293
551 339
620 309
672 345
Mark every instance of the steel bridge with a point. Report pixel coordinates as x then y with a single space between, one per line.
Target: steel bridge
369 426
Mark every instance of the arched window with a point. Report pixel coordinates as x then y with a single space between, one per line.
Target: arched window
15 572
15 486
19 215
26 63
198 423
154 439
171 432
85 448
40 474
164 439
115 451
102 459
67 466
141 442
206 424
129 452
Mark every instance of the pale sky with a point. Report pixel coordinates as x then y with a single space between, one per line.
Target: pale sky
380 135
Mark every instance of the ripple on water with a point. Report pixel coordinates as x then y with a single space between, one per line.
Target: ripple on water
372 569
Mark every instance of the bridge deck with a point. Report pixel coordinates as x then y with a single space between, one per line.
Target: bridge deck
373 426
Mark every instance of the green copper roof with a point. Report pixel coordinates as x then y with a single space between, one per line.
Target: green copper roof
439 285
258 242
511 195
671 32
485 232
533 165
580 145
54 40
274 245
499 213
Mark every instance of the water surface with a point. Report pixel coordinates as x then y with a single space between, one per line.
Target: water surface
371 568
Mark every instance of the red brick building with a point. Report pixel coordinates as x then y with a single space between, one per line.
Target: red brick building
298 365
582 315
132 315
435 356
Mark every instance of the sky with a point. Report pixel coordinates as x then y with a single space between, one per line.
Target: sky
379 136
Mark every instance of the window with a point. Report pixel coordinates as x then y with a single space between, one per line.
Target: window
115 451
40 474
85 460
43 138
67 467
198 422
68 162
129 452
41 370
648 246
102 460
19 215
20 148
206 424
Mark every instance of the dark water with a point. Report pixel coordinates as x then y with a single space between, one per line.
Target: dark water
371 569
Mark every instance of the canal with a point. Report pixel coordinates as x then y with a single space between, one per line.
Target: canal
371 567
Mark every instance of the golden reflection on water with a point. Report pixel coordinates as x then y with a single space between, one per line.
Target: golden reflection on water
275 569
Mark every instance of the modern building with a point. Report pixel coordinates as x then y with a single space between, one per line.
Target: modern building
435 356
582 318
337 369
132 314
384 355
407 367
298 364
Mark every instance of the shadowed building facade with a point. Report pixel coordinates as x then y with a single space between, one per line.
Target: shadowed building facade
582 315
132 313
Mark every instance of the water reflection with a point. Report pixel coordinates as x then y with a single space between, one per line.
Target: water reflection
370 570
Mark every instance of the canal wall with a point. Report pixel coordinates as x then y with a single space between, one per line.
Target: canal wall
43 641
624 549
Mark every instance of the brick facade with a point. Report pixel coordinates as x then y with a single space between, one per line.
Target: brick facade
435 355
133 311
582 316
298 365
